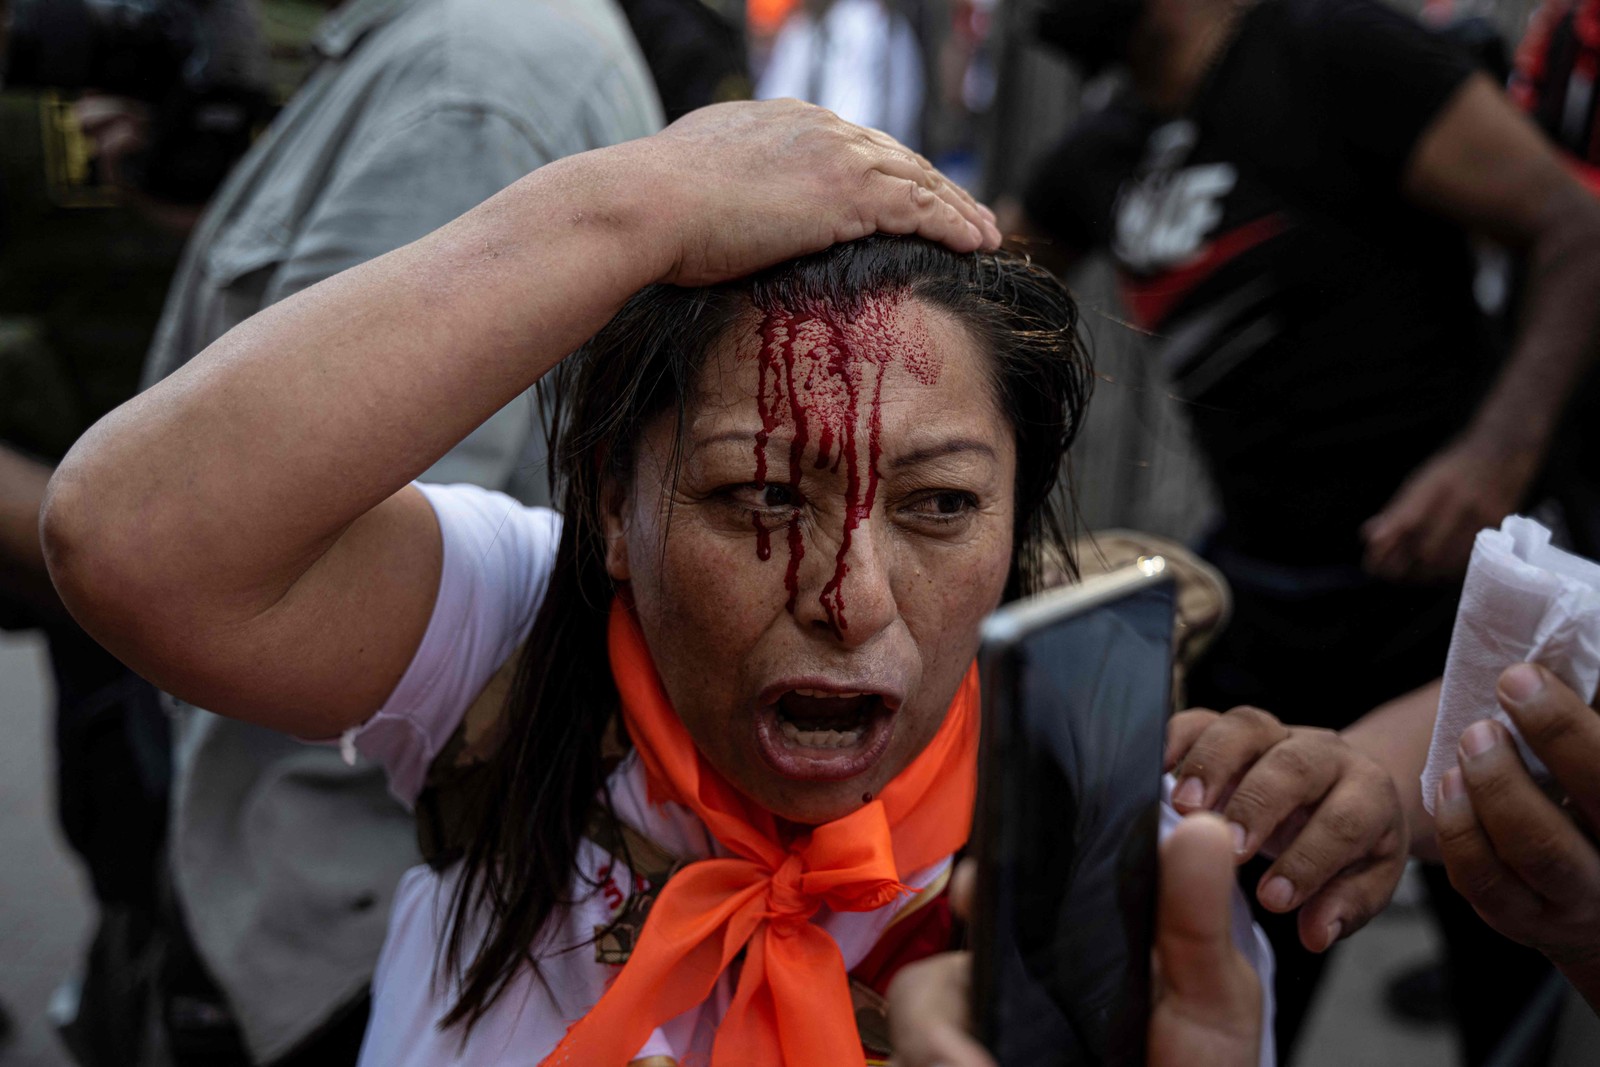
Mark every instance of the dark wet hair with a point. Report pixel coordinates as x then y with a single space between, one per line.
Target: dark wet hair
542 786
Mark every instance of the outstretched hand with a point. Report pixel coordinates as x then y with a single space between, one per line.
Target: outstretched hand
1426 532
1330 815
749 184
1530 865
1208 999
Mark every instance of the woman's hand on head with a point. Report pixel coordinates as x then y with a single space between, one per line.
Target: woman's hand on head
1207 1005
742 186
1329 815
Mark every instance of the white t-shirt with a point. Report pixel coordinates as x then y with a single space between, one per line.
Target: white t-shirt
497 561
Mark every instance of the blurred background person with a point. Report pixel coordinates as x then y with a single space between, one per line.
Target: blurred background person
858 58
1557 66
88 241
416 111
1287 189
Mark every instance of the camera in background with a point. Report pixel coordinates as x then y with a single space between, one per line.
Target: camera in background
199 65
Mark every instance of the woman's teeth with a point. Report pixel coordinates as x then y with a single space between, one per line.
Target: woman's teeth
820 738
825 718
824 735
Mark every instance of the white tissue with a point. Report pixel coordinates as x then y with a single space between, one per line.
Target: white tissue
1525 601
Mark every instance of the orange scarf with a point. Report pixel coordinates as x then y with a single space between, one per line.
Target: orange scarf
792 1005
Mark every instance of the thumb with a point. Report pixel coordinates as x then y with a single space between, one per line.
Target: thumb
1209 994
1193 919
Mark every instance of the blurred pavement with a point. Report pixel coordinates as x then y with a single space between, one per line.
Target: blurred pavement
44 911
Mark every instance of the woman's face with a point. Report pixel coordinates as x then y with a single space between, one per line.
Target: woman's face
812 585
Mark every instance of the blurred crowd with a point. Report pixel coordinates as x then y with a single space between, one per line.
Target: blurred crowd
1370 281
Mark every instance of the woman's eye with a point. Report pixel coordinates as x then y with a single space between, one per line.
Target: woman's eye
947 504
766 496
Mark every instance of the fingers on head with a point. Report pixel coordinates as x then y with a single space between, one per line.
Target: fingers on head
889 158
894 205
972 212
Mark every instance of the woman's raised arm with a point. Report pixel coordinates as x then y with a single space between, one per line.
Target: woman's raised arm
241 533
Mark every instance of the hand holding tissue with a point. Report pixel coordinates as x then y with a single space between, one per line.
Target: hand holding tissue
1523 852
1525 601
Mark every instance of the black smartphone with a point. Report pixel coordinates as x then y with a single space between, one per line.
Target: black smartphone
1076 695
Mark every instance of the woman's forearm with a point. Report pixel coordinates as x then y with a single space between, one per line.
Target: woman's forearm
1397 736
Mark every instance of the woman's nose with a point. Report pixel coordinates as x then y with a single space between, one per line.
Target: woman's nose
851 592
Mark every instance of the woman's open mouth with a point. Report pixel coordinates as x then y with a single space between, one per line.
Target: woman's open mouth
824 735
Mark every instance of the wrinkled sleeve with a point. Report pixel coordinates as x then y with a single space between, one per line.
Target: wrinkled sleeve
410 175
497 561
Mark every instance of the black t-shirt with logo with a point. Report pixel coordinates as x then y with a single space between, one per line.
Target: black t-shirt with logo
1321 327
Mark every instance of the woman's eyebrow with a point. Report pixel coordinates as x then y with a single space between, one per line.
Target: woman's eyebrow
741 437
938 450
924 454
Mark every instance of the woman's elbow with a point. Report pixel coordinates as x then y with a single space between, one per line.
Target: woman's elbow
95 568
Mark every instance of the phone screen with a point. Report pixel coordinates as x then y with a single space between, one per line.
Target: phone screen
1076 704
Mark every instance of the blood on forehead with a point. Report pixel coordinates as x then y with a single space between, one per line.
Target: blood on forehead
816 366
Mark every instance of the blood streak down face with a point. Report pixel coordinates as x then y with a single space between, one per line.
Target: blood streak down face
874 443
815 368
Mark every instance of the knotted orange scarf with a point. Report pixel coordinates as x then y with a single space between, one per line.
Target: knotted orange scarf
792 1005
